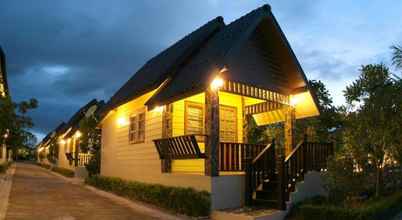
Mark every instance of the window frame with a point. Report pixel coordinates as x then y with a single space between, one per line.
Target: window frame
134 133
234 108
189 104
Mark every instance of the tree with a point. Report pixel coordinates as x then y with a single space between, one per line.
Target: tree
374 127
323 127
91 142
397 56
15 123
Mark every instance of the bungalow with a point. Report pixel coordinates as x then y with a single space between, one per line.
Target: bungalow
183 118
61 146
5 154
70 156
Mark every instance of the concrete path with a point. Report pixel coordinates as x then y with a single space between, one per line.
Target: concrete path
37 194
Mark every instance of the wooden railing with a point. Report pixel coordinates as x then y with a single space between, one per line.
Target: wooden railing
307 156
233 155
258 169
179 147
83 159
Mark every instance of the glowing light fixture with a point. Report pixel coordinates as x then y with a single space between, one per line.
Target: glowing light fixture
217 83
122 121
62 142
68 140
77 134
159 108
294 100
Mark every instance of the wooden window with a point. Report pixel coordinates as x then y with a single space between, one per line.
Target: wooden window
193 118
136 132
228 124
194 121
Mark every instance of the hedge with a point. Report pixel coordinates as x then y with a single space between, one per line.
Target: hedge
46 166
4 166
180 200
63 171
384 208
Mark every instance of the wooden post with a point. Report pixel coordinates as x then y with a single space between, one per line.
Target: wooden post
304 149
289 129
212 131
282 183
76 152
167 130
248 182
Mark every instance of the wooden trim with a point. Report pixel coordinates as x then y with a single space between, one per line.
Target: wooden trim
254 92
263 107
212 130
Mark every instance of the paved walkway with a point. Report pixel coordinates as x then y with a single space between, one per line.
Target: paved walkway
37 194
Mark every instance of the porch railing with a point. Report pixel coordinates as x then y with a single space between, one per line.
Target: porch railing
307 156
83 159
259 169
233 155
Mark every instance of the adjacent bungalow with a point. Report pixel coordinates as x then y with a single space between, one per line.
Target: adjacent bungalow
5 154
70 155
63 143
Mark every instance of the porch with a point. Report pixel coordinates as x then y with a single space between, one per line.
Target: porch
270 170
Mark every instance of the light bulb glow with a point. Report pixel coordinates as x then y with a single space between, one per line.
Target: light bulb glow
217 83
122 121
159 109
62 142
294 100
78 134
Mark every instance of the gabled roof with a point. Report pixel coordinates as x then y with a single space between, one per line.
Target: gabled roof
166 63
3 71
253 49
74 121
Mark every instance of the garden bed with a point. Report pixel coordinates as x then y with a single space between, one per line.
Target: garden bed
4 166
59 170
318 208
180 200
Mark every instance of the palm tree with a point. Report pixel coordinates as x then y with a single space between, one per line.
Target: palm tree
397 56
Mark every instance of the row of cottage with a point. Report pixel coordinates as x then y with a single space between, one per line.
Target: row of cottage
184 117
5 153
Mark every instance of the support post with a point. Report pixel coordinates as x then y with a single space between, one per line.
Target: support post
167 130
212 131
290 119
304 149
282 183
248 182
76 152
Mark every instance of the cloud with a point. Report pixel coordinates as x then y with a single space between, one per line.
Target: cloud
65 53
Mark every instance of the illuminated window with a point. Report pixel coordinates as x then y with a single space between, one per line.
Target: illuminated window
194 118
228 124
194 121
136 133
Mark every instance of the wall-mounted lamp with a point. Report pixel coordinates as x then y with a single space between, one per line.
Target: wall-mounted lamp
122 121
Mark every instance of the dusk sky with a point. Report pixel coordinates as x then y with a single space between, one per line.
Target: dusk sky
65 53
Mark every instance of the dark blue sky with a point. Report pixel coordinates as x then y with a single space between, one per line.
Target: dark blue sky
66 53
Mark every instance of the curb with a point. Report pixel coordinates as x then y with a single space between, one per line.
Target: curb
5 189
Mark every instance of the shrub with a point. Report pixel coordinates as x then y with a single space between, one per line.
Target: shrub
4 166
63 171
181 200
384 208
46 166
